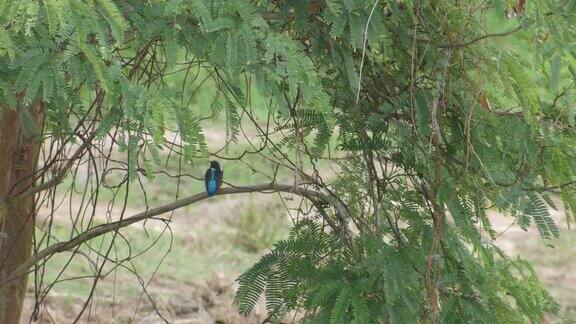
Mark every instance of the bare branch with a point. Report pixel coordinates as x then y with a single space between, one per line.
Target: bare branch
465 43
313 195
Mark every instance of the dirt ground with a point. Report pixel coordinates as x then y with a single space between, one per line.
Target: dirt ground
209 302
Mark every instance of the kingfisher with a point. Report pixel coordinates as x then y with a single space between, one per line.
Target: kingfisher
213 178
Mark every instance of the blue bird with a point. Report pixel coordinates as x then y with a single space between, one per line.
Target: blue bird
213 178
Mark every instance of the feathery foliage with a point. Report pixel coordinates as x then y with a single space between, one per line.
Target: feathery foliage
433 112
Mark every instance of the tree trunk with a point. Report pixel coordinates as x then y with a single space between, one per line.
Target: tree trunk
18 158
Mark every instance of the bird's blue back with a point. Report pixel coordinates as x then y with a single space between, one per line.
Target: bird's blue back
211 184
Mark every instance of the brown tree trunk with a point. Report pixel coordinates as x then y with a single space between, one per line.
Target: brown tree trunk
18 158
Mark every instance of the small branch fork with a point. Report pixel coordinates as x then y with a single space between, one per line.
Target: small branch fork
312 195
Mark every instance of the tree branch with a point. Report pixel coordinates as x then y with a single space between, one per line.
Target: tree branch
313 195
58 177
460 44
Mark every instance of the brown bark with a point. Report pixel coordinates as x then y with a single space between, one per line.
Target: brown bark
18 158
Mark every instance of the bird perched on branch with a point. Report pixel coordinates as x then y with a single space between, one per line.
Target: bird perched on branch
213 178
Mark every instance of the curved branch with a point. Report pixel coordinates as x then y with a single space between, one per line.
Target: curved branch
479 38
465 43
312 195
